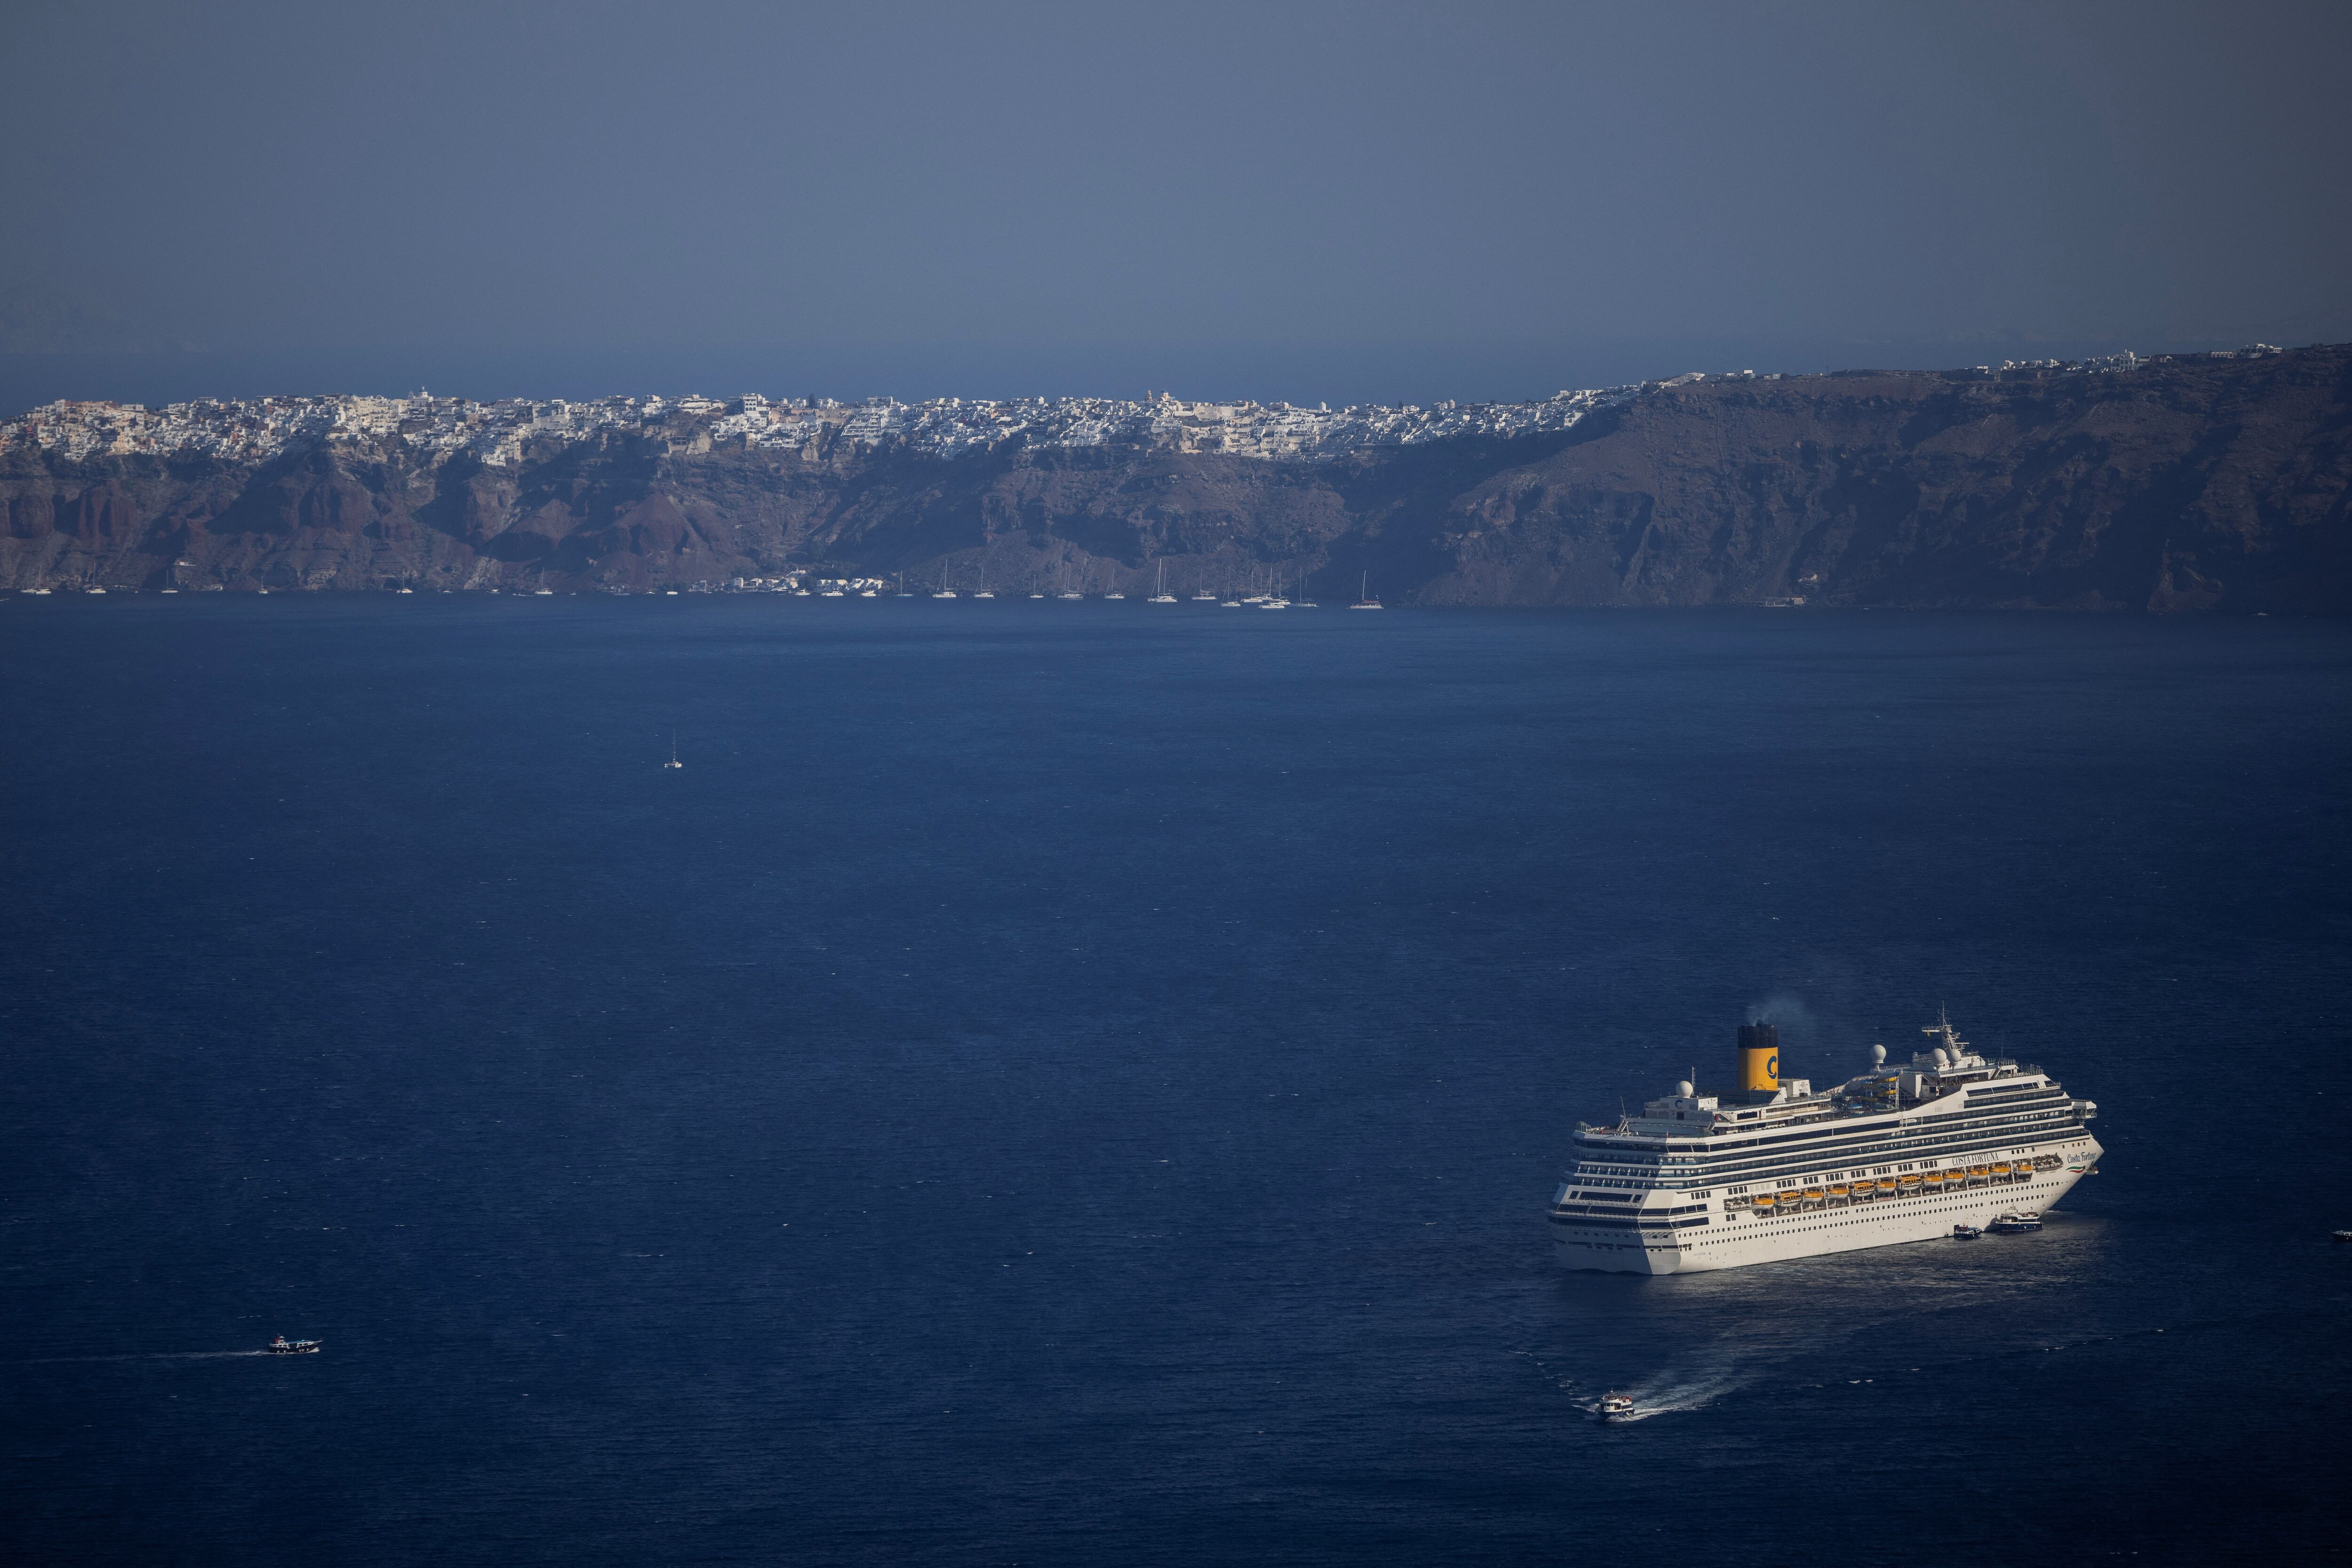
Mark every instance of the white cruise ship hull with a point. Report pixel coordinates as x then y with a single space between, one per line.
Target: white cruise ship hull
1737 1240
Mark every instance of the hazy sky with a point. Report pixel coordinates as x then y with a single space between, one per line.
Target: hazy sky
1296 200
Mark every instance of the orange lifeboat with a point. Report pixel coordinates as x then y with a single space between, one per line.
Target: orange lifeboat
1885 1184
2002 1169
1840 1190
1980 1170
1763 1202
1909 1182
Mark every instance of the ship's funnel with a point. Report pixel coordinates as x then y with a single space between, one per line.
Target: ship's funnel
1760 1060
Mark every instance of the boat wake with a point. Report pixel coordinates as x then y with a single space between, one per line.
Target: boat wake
1671 1394
144 1355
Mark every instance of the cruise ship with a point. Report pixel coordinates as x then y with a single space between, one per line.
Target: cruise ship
1774 1170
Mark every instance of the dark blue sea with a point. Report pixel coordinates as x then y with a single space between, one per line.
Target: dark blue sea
1065 1084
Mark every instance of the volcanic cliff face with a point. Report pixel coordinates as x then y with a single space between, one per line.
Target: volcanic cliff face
2205 482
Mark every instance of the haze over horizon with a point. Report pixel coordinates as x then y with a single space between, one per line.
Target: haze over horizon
1311 203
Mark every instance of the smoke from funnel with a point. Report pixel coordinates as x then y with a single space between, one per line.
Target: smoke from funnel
1799 1031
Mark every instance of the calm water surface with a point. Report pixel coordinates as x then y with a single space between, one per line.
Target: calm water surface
1079 1085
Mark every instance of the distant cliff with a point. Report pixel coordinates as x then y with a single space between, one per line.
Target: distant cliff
2207 482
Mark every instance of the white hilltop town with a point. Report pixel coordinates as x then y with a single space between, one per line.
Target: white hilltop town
502 434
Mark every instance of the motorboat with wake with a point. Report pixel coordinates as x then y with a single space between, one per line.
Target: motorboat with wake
281 1345
1614 1407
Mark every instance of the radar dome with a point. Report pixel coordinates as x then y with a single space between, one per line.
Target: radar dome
1878 1056
1942 1060
1683 1089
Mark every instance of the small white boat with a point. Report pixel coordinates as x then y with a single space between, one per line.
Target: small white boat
831 593
2016 1224
1074 594
673 761
864 594
1114 595
1160 594
1967 1232
281 1345
1364 600
1614 1407
542 593
984 593
93 590
945 593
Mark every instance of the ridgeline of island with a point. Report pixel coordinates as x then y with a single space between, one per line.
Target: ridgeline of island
2218 482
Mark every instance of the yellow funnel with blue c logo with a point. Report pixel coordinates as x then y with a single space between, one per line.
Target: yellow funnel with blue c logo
1759 1059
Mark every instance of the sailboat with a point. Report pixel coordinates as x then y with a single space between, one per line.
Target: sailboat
945 592
1364 596
1162 596
673 761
